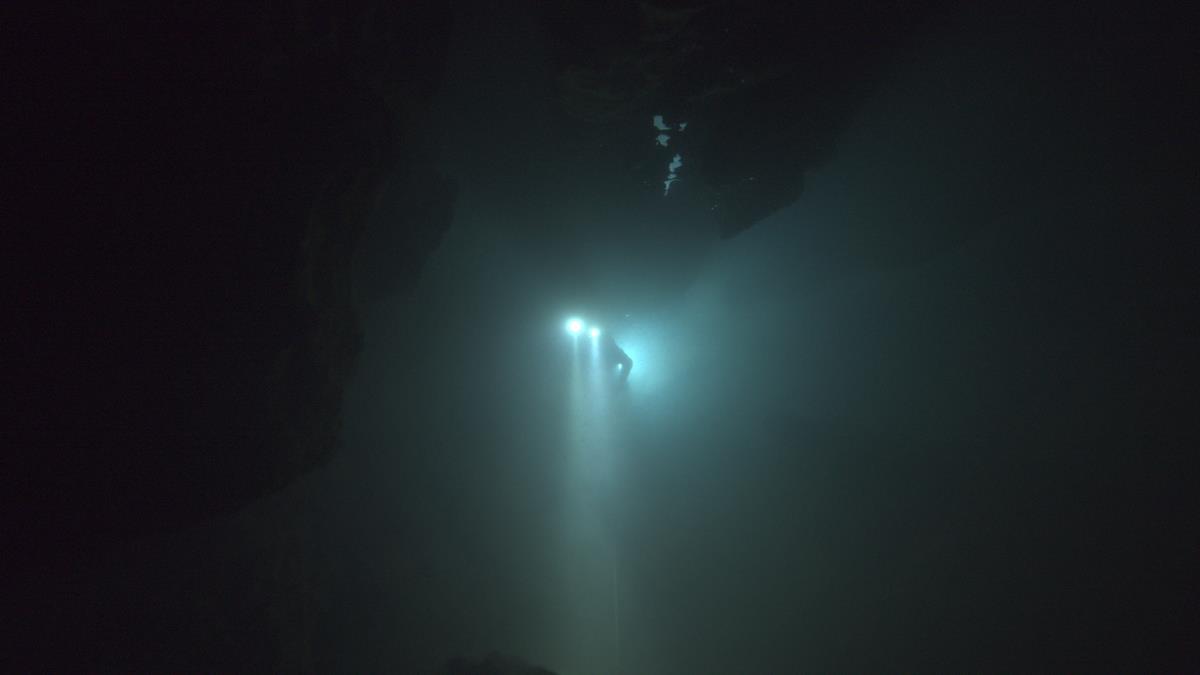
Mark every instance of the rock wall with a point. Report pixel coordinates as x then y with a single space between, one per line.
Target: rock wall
765 88
196 179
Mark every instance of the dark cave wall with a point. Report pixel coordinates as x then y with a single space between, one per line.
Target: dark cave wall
197 179
766 88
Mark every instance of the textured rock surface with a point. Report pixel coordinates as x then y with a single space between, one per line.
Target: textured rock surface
765 88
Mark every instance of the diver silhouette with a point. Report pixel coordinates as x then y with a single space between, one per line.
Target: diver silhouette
612 355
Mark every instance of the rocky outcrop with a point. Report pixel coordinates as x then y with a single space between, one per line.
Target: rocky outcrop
200 175
765 87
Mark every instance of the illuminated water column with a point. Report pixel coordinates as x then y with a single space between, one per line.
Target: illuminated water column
590 626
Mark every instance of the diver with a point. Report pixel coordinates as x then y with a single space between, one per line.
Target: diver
612 355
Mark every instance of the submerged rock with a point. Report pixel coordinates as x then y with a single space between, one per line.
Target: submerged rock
766 87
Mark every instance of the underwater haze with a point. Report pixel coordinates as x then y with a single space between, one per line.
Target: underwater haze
911 388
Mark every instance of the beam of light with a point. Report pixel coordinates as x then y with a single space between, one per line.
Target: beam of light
599 435
586 554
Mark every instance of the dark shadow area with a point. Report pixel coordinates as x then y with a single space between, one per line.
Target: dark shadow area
881 360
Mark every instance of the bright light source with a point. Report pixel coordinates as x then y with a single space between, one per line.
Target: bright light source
594 332
574 326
